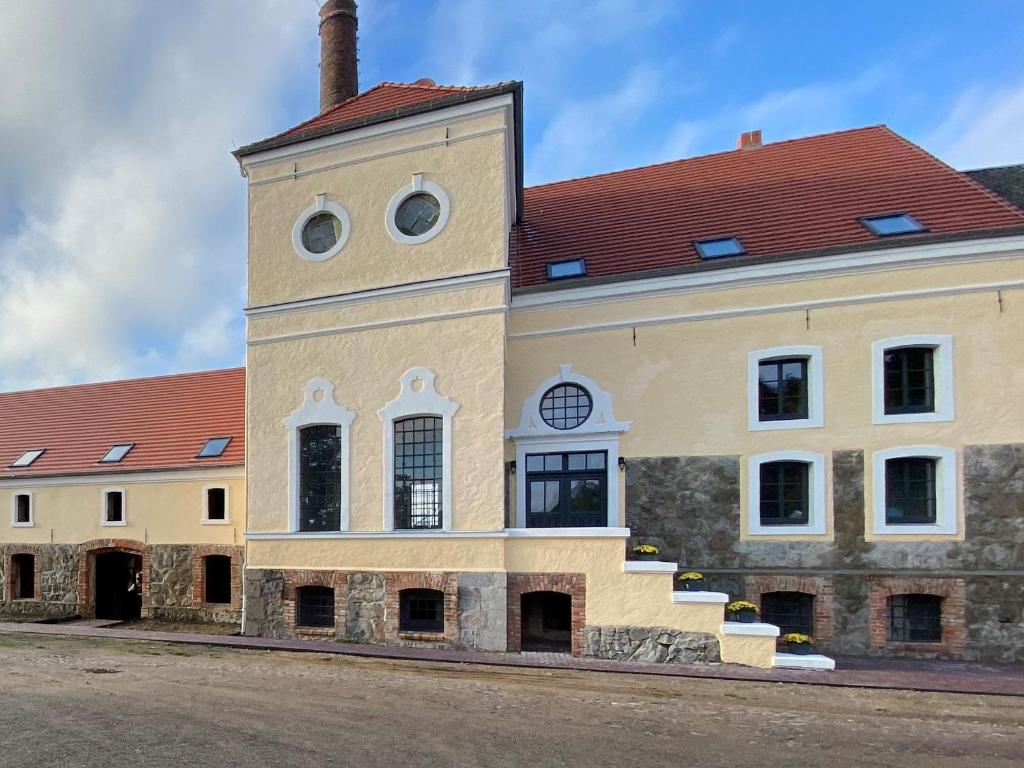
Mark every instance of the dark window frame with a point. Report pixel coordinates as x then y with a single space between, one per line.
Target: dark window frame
421 610
109 459
779 498
28 508
702 247
223 492
914 618
898 399
409 228
315 606
203 451
553 413
107 497
899 483
564 478
220 594
869 223
319 477
420 470
780 395
20 463
551 272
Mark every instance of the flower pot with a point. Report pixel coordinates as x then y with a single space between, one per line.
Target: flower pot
645 557
693 585
799 649
746 616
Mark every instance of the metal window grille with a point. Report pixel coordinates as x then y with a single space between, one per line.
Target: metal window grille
789 611
915 619
784 493
782 389
909 380
910 491
320 478
566 406
418 472
315 607
421 610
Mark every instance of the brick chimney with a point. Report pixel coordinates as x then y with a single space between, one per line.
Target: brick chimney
749 140
339 67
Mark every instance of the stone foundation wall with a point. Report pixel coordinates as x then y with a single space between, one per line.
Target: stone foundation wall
56 581
689 506
652 644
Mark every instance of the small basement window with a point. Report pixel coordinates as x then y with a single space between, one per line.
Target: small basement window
217 579
719 247
214 448
558 270
216 505
314 607
915 619
421 610
22 509
113 507
116 453
23 577
28 457
892 224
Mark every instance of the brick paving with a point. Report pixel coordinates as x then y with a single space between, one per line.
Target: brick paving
853 672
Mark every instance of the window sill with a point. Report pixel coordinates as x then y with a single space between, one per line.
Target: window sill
116 524
23 525
912 418
768 426
216 522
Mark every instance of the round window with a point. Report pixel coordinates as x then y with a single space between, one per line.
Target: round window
417 214
321 233
566 406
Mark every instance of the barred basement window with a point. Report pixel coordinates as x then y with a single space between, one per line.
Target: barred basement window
915 619
418 472
421 610
909 380
320 478
789 611
910 491
217 579
314 607
784 493
23 577
566 406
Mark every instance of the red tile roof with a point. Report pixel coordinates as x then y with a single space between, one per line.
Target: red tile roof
169 418
783 198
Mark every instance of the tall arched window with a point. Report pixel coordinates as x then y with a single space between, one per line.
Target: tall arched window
419 472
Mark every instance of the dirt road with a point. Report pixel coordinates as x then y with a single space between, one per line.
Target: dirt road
82 702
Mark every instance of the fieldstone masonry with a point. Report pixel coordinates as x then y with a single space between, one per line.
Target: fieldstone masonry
652 644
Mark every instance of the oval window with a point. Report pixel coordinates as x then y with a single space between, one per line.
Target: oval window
417 214
566 406
321 233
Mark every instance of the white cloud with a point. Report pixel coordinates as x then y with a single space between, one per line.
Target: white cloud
123 249
984 128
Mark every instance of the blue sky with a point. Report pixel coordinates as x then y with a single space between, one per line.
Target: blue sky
122 214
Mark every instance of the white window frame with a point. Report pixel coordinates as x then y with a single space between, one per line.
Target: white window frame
31 509
600 432
321 205
942 370
418 400
206 504
815 388
947 482
319 408
417 185
817 515
103 508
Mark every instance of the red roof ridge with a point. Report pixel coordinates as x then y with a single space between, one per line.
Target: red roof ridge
137 379
779 143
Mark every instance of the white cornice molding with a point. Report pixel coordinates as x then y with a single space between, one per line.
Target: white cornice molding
505 533
778 271
186 475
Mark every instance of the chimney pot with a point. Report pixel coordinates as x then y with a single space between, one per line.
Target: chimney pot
749 140
339 67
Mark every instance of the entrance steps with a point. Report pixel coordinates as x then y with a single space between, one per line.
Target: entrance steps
810 661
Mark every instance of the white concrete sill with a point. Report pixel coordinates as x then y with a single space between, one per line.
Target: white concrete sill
810 661
568 533
700 597
756 629
649 566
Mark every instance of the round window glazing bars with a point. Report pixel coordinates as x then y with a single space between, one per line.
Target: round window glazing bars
566 406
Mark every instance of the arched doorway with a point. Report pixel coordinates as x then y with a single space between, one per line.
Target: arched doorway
117 584
546 622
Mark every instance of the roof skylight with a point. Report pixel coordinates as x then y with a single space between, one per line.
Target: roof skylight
892 224
558 270
28 457
116 453
719 247
214 448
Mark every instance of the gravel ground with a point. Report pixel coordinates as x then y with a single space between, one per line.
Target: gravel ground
99 702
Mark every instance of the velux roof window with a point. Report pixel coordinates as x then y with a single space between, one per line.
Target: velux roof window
892 224
116 453
214 448
719 247
558 270
28 457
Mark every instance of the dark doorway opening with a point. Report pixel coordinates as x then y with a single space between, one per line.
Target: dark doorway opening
546 622
118 586
23 577
217 579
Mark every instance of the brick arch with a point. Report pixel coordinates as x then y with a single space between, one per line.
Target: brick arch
572 584
86 571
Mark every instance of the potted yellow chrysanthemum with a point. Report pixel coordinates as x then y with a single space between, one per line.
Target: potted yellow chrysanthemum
798 643
691 581
645 552
742 611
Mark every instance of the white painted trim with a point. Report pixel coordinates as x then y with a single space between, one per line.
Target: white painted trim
946 495
768 309
817 515
206 505
815 388
374 295
103 508
809 661
719 598
781 271
31 508
567 533
395 534
318 408
425 401
648 566
942 370
416 186
755 629
601 420
187 474
321 205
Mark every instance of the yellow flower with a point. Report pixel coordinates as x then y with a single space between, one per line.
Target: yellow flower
691 576
740 605
797 637
645 549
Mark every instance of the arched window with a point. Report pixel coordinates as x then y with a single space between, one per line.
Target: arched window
314 607
217 579
421 610
419 472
